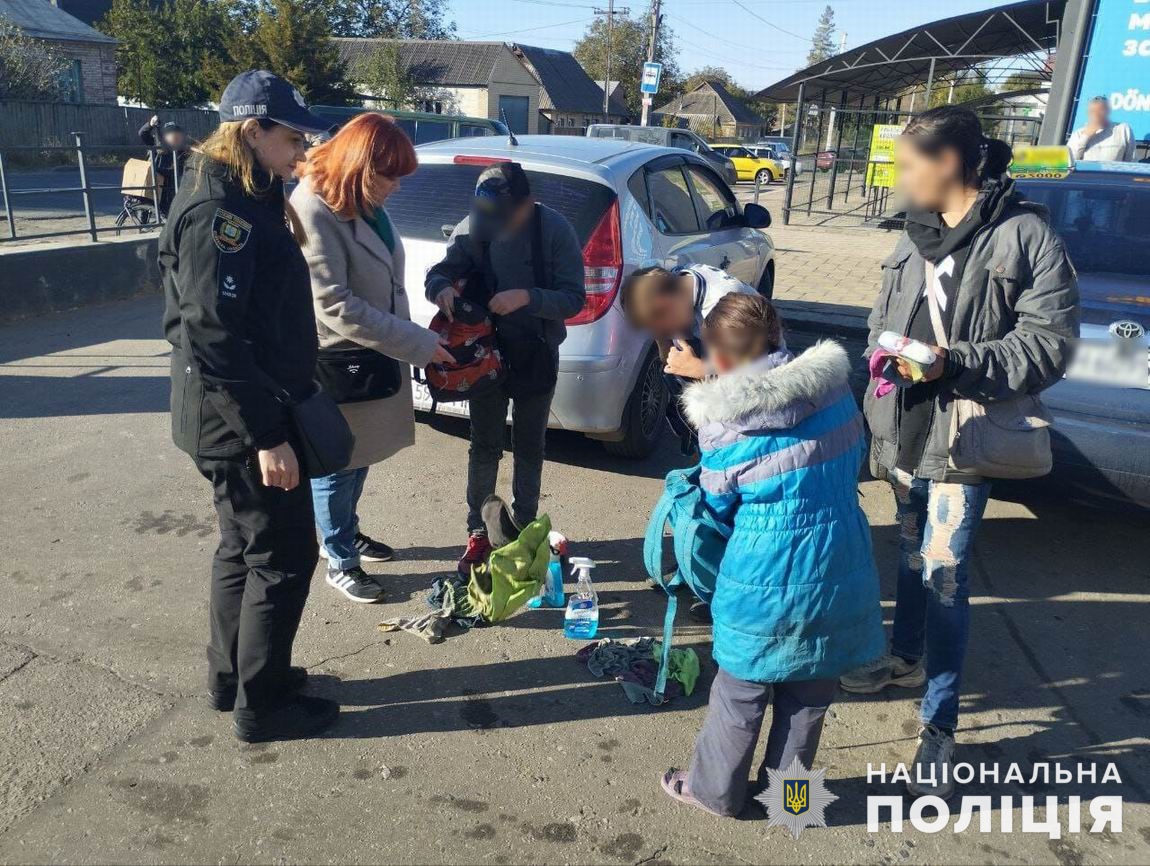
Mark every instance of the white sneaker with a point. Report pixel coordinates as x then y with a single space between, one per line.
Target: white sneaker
933 762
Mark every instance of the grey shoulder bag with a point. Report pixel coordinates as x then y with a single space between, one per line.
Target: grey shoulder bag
999 438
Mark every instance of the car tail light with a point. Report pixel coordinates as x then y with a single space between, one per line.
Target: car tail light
479 160
602 267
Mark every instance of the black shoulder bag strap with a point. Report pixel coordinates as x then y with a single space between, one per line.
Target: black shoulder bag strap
537 263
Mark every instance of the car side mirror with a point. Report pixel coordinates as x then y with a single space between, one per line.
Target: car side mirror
446 229
756 216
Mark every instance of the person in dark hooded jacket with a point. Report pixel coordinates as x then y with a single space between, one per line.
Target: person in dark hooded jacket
173 148
1006 298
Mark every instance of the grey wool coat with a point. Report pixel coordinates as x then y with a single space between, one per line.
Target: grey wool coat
355 280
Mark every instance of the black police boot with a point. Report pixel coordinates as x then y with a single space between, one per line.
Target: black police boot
224 700
297 719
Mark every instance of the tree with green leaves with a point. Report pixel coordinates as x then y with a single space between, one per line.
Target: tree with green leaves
291 38
1026 79
383 75
166 53
29 68
629 40
823 42
391 19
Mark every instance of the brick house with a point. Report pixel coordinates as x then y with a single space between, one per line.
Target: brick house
91 75
715 113
569 99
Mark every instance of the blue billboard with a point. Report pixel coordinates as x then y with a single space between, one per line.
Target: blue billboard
1117 64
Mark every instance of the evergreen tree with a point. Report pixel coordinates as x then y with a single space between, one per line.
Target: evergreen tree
823 42
391 19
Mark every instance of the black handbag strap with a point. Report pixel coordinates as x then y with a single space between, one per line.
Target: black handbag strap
537 247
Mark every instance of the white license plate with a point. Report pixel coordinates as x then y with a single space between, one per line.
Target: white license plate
422 399
1112 364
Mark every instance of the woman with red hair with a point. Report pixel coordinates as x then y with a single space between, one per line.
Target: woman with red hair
356 260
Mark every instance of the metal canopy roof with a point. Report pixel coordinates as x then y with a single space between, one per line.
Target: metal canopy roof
996 41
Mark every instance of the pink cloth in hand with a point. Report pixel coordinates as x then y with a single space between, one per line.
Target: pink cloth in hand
877 362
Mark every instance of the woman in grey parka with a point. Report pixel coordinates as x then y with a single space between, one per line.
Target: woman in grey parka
1007 301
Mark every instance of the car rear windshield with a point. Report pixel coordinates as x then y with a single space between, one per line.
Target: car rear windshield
440 195
1106 227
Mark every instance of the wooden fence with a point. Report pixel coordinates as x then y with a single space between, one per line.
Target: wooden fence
51 124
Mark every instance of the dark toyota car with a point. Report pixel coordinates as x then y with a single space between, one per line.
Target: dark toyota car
1102 407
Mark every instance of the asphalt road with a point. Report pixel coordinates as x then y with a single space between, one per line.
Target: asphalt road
496 746
27 202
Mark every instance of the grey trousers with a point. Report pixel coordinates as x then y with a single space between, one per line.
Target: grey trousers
529 416
726 744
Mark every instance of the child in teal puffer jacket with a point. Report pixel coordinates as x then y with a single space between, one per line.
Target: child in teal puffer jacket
796 601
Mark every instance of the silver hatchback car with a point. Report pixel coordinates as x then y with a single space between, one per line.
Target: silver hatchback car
632 205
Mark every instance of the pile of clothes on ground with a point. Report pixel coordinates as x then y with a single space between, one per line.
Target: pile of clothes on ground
494 590
634 664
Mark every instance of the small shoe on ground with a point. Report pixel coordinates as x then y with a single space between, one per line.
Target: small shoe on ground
369 549
700 611
355 584
297 719
224 700
888 670
934 761
478 547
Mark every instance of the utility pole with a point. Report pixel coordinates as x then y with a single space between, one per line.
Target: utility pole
656 18
610 12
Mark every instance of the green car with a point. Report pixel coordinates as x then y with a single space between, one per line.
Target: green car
421 126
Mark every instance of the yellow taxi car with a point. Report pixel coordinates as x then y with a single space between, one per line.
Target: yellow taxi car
748 166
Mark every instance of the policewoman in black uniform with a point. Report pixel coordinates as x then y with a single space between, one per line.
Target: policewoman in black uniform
238 314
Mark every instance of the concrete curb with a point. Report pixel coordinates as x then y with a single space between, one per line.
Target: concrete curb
809 317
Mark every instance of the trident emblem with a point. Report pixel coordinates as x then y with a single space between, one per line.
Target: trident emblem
796 795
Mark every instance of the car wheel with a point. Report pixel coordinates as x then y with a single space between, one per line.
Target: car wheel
764 176
766 286
644 415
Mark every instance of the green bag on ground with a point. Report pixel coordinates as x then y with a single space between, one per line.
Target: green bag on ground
512 574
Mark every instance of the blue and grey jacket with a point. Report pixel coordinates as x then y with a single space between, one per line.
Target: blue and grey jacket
797 594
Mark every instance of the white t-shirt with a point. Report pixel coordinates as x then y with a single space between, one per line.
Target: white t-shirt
1115 143
711 283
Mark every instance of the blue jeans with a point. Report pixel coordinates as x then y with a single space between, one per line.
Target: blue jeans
336 499
937 525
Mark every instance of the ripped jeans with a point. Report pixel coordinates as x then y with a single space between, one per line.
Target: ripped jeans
937 525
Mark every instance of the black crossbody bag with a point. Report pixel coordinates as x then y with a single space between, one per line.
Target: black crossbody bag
360 374
324 437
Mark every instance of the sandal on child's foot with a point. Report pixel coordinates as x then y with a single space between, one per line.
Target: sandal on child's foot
674 784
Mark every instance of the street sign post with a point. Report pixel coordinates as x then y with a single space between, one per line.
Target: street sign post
649 83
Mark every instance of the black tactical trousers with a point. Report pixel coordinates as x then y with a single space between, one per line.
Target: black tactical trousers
261 575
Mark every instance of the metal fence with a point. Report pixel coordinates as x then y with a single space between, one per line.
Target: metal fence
833 146
85 208
51 123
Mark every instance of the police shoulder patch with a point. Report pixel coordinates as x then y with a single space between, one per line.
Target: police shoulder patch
230 232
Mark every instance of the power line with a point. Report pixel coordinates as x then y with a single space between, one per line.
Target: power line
529 29
771 24
721 39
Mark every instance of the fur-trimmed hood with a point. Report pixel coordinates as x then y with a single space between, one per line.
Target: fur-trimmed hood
775 392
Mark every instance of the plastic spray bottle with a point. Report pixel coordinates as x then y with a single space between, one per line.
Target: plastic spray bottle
582 619
551 592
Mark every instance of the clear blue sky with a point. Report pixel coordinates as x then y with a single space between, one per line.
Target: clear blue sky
711 32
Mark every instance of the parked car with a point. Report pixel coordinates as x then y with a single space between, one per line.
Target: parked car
683 139
1101 409
783 158
778 143
421 127
751 166
632 205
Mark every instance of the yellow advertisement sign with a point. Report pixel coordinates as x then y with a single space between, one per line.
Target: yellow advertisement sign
880 171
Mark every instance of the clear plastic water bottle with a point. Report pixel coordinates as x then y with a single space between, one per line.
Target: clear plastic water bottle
551 591
582 619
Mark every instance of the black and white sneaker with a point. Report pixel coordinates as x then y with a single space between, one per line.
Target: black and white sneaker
369 549
355 584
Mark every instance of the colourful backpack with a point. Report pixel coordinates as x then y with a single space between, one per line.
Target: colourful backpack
478 365
699 541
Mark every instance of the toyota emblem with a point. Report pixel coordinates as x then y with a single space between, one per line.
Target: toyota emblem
1125 329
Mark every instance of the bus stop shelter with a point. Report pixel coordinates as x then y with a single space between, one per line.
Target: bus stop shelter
1003 56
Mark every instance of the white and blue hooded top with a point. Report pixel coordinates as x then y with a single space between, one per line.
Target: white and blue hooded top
797 595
